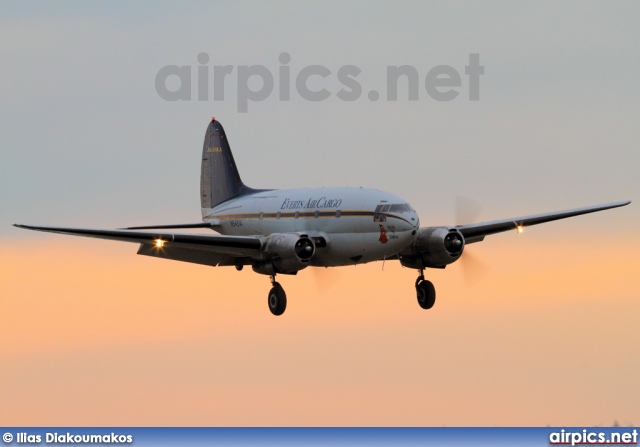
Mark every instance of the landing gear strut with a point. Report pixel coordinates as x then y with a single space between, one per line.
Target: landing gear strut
277 298
425 292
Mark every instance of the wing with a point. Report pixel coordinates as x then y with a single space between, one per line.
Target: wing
211 249
477 232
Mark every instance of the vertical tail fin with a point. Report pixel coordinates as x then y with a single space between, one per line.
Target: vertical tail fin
219 178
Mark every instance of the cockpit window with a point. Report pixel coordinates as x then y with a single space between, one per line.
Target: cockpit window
400 208
377 217
379 213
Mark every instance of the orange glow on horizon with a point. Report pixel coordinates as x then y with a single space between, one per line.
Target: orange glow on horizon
132 340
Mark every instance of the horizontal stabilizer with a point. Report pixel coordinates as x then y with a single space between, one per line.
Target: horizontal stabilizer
210 224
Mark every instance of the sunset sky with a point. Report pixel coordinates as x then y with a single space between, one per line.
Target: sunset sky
545 332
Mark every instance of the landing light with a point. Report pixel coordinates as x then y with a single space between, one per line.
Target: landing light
519 228
159 243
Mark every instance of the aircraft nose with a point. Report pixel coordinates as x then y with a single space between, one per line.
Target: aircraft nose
415 220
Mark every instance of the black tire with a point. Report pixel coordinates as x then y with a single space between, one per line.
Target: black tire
277 299
426 294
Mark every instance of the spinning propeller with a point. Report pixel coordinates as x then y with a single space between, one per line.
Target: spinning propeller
473 269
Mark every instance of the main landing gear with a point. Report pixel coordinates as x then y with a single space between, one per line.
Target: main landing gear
277 298
425 292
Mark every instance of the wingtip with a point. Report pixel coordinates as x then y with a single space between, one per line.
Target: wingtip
23 227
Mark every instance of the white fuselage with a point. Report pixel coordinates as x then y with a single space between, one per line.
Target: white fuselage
359 225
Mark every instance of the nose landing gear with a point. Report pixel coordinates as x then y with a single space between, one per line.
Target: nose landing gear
277 298
425 292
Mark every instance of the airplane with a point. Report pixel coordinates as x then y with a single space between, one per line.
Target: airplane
283 231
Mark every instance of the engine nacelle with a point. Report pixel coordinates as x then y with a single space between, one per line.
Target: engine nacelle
286 253
436 247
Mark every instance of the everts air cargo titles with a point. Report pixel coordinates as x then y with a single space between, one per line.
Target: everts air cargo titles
280 232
